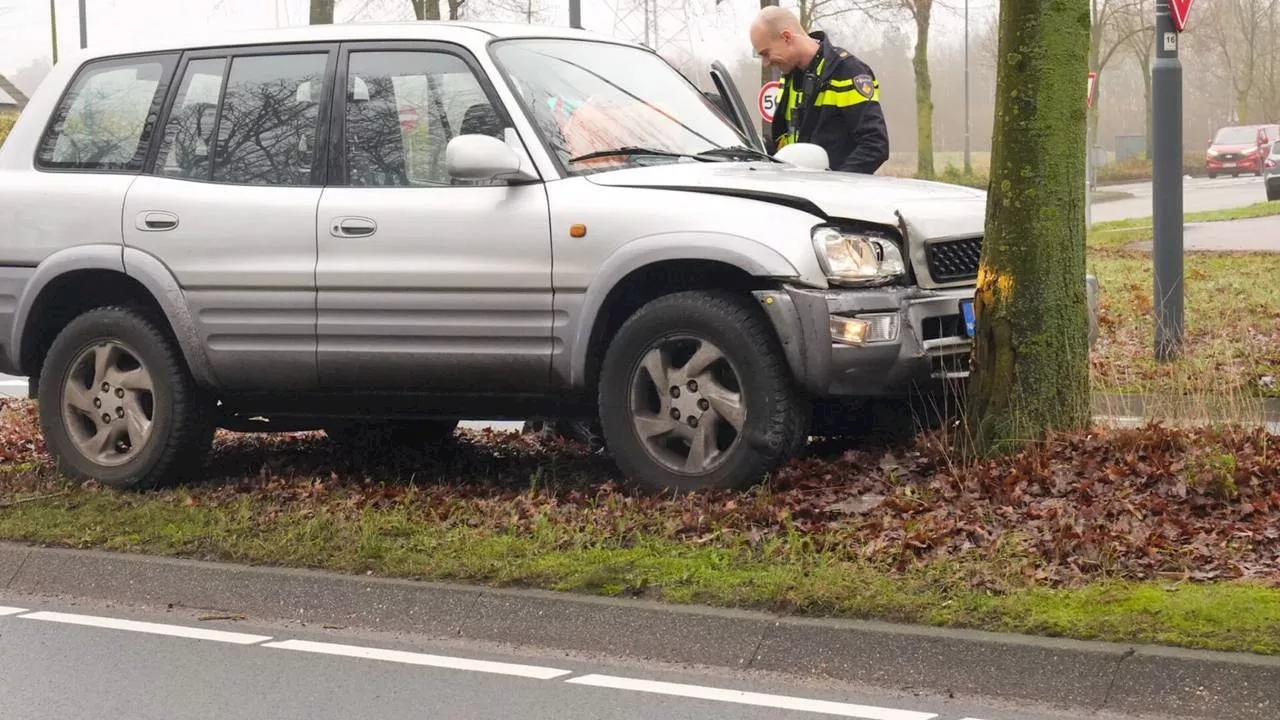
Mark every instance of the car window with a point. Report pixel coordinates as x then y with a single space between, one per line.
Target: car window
1236 136
589 96
402 109
269 119
101 124
188 133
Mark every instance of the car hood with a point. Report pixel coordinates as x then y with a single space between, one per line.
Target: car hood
829 194
1232 148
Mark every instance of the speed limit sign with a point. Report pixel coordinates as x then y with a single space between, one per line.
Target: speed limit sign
768 99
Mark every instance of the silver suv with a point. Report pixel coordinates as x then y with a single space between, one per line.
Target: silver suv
378 230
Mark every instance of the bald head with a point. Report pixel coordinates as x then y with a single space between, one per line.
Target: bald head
780 40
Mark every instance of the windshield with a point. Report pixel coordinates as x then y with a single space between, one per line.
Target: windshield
586 97
1236 136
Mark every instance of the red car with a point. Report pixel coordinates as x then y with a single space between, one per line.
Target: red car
1240 149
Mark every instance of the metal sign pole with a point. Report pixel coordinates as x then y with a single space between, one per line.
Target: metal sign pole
1166 211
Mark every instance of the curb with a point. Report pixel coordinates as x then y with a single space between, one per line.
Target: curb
1068 673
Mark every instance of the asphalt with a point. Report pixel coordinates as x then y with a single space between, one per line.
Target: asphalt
1077 677
88 659
1198 195
1259 235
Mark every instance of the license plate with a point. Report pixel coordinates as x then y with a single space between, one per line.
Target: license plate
966 307
1229 164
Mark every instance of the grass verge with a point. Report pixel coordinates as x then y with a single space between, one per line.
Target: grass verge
1139 536
1232 316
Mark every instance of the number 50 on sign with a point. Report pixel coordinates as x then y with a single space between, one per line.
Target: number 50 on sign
768 100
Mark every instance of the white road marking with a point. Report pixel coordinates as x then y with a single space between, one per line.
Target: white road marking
867 712
413 658
146 627
783 702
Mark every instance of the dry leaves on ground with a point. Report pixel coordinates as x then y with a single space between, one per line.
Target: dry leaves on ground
1142 503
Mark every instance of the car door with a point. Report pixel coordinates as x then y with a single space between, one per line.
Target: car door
229 206
742 118
426 283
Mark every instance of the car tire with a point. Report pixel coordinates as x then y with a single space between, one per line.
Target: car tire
742 395
376 437
1213 176
113 373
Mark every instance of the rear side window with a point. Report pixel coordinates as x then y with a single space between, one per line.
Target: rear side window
269 120
187 143
106 119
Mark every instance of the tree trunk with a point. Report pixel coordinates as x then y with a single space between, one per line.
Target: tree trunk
426 9
455 9
924 91
1242 107
321 12
1030 370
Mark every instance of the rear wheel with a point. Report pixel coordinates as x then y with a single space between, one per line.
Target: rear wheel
117 404
695 394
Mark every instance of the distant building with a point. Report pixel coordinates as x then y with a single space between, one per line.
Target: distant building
11 98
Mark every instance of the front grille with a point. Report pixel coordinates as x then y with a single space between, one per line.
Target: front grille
1230 156
942 326
954 260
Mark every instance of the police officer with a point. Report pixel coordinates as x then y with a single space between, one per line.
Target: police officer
828 97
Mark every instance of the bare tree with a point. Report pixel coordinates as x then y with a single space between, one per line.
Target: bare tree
322 12
1136 25
1238 32
1108 35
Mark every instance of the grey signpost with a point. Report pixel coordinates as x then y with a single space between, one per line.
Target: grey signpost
575 14
1166 168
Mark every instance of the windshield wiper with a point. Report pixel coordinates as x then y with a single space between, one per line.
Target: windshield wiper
737 151
631 150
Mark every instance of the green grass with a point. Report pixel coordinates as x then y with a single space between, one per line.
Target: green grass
1232 315
406 539
6 124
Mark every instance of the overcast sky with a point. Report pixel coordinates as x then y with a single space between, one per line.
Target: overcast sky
25 33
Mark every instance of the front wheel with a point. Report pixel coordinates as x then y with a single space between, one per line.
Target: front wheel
117 404
695 394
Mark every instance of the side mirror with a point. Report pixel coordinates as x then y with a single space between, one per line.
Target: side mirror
805 155
484 157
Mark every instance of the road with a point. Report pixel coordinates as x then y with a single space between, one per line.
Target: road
1198 195
63 659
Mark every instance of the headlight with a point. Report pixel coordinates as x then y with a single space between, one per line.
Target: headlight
855 258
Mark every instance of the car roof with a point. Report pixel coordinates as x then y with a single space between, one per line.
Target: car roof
442 30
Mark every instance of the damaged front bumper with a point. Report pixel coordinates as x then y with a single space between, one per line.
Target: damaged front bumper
877 342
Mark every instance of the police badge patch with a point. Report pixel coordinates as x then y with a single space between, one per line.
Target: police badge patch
865 86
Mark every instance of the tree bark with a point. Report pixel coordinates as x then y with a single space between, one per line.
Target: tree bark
1030 363
322 12
924 91
426 9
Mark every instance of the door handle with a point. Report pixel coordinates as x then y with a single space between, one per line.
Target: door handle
353 227
156 221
